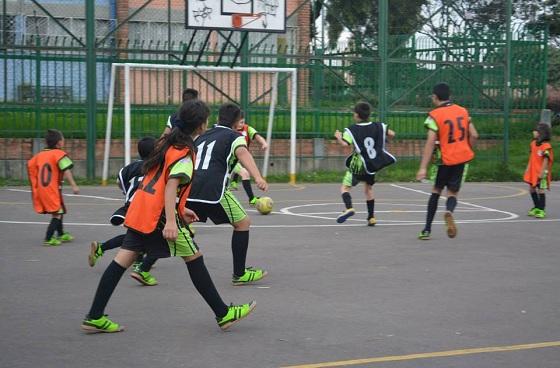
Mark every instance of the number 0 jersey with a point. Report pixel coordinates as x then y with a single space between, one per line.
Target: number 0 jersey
369 154
45 171
451 123
214 161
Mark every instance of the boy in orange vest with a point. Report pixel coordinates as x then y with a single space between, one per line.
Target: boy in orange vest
539 169
46 171
451 125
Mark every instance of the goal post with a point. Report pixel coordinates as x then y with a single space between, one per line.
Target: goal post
127 67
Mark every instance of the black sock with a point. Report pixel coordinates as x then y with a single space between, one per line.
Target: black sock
370 208
59 226
203 283
542 201
535 198
235 177
107 285
347 199
239 246
248 189
139 258
432 208
113 243
147 263
51 228
451 203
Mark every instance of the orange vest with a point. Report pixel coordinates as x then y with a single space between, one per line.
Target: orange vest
453 133
245 133
536 160
46 179
148 206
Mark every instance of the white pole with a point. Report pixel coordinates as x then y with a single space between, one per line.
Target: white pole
108 127
293 129
273 98
126 114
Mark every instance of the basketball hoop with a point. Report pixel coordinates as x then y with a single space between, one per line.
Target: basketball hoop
240 20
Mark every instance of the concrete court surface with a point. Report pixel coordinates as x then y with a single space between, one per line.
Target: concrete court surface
337 295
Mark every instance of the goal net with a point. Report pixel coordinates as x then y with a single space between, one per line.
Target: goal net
136 80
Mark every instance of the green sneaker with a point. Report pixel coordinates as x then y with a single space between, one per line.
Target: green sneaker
102 324
136 267
253 202
540 214
345 215
52 242
235 313
251 275
95 252
424 235
144 277
532 212
65 237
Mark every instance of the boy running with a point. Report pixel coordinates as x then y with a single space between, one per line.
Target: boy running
369 156
539 169
46 171
451 125
173 120
218 151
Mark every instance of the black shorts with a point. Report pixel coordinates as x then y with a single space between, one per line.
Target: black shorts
450 177
351 180
212 211
155 245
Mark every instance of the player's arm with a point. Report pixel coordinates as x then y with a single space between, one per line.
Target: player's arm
246 159
170 230
261 141
544 169
473 134
166 131
68 176
65 164
390 134
339 138
427 154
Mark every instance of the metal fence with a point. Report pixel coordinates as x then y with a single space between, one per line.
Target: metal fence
44 79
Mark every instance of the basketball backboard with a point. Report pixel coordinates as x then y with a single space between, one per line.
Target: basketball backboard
237 15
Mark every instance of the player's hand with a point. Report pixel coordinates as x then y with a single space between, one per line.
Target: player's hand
170 231
190 216
338 134
75 189
264 146
421 174
261 184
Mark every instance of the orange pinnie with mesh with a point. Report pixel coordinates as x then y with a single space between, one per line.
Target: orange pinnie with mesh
453 130
536 160
45 176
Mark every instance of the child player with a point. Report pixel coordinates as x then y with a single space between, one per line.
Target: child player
129 179
369 156
539 169
218 151
188 94
46 170
250 134
156 222
451 125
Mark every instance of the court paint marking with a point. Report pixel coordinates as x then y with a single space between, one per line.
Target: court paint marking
435 354
73 195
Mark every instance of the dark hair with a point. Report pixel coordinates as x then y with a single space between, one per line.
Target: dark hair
190 94
544 131
229 114
53 137
192 114
363 109
442 91
146 147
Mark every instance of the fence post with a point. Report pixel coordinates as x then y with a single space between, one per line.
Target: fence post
383 35
507 83
244 98
37 96
91 81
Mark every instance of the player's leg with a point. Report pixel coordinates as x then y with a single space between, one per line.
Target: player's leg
440 181
246 181
50 239
540 213
234 179
536 201
455 178
97 249
142 272
347 183
370 203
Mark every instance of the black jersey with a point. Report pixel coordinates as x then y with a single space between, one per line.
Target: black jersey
173 120
130 177
369 143
215 158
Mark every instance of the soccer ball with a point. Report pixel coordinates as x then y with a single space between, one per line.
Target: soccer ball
264 205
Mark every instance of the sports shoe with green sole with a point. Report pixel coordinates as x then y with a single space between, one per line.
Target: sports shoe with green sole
95 252
540 214
345 215
144 277
235 314
136 266
424 235
450 225
371 221
532 212
65 237
251 275
102 324
253 202
52 242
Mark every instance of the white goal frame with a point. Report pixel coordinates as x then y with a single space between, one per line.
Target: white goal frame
127 126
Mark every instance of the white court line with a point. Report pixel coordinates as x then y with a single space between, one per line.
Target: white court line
389 211
73 195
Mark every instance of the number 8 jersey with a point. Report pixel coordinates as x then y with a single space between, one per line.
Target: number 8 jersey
451 123
369 154
214 161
